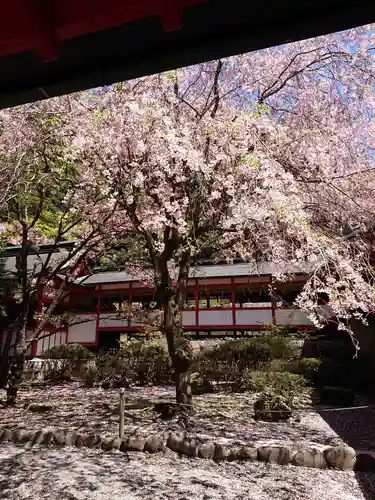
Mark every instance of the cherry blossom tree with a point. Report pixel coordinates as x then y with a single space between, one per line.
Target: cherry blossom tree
267 155
50 204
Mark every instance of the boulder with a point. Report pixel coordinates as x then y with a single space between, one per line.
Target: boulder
243 453
6 435
71 438
116 443
92 440
49 438
107 444
168 453
275 454
59 437
175 440
189 448
206 450
310 457
134 444
16 436
337 396
80 441
221 452
40 437
340 457
25 436
154 443
40 407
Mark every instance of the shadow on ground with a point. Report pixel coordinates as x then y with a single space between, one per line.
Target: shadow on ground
353 423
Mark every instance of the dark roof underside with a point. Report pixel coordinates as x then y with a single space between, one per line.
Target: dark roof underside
51 48
211 271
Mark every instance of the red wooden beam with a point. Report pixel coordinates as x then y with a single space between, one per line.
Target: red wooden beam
41 25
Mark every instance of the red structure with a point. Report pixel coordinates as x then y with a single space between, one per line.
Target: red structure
53 47
221 300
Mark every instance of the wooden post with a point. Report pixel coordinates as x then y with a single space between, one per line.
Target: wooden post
122 410
196 285
233 290
98 312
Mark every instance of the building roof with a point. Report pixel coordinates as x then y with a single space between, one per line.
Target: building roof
209 271
34 263
36 258
49 48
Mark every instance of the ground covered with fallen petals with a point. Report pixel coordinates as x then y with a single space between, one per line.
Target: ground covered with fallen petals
221 415
80 474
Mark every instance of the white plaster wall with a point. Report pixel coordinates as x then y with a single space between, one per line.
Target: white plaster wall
215 318
254 317
291 317
188 318
82 328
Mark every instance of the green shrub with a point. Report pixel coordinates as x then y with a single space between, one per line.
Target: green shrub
228 360
90 372
272 408
148 362
69 351
309 368
284 385
280 347
246 352
140 361
282 365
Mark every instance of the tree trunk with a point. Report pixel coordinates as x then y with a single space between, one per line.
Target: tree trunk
183 389
173 299
11 336
15 375
18 361
180 351
4 358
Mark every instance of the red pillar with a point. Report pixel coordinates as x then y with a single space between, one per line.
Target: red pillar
98 310
34 345
130 299
233 301
272 304
196 303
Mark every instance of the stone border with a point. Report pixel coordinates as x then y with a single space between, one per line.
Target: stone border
337 457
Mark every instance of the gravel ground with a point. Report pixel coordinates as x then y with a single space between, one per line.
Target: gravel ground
72 474
78 474
225 416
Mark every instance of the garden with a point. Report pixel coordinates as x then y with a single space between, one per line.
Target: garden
255 391
256 405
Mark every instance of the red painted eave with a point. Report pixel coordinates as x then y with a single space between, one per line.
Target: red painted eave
40 26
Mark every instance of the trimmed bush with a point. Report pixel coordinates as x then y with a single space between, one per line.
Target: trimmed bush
147 362
90 372
228 360
142 362
69 351
309 368
287 386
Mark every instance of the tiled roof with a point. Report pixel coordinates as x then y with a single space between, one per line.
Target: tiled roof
210 271
34 263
